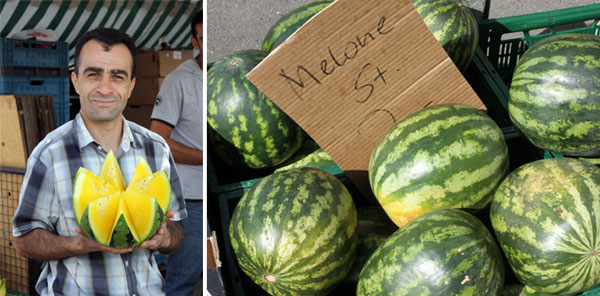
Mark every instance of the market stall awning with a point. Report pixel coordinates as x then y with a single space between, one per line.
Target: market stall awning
148 22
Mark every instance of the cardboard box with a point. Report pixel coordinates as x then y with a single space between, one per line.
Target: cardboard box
353 71
160 63
212 252
145 91
139 114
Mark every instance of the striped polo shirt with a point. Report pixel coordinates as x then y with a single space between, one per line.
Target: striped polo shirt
46 202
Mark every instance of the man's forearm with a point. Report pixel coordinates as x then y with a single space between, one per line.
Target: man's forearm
176 237
40 244
184 154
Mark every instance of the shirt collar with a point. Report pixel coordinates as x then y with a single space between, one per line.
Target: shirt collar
84 137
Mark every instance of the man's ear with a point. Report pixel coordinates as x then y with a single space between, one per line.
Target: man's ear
74 81
195 42
131 87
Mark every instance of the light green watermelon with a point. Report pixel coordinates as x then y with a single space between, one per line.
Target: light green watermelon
294 232
545 215
555 94
443 252
444 156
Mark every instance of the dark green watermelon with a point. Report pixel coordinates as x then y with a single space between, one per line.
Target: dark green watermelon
443 156
555 94
545 216
443 252
290 22
454 27
294 232
243 116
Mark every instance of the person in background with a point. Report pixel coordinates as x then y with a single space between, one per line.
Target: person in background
178 117
44 224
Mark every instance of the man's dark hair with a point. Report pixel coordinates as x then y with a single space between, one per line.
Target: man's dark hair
196 19
108 37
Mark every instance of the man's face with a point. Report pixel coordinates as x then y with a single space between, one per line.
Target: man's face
197 40
104 82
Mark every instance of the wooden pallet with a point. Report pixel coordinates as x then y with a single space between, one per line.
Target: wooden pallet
24 121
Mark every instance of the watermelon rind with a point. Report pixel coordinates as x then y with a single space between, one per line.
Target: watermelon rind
294 232
291 22
242 115
443 252
453 25
545 216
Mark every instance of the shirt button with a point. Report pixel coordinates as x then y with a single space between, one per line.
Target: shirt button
126 263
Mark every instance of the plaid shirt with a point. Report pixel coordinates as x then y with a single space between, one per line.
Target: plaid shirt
46 202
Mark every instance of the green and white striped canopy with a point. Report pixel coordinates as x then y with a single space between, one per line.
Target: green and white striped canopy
146 21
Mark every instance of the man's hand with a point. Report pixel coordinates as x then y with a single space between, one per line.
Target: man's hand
167 238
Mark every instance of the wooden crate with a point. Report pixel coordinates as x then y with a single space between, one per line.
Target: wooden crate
20 273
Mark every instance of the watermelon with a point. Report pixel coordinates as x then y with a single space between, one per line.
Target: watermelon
290 22
120 218
374 228
454 27
443 252
555 94
294 232
545 215
443 156
243 116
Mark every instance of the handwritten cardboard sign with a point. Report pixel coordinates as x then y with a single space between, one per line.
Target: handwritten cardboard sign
353 71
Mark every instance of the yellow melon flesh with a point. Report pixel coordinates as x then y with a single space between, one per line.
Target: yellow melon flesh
111 172
142 170
123 212
101 214
156 186
143 211
88 187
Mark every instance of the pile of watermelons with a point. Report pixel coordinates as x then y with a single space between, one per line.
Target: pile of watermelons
452 217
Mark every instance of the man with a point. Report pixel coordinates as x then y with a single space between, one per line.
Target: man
44 225
177 116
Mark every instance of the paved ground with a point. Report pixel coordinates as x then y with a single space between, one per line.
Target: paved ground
242 24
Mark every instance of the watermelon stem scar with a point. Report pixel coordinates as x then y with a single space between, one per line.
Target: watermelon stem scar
270 278
234 62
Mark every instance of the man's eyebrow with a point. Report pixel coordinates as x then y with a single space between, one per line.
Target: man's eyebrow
93 69
119 71
100 70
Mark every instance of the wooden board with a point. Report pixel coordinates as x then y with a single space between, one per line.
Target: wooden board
12 146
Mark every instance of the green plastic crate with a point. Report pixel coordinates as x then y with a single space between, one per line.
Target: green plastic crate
503 40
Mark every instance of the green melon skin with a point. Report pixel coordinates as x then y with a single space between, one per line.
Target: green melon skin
374 228
290 23
243 116
454 27
555 94
122 236
443 156
545 216
294 232
444 252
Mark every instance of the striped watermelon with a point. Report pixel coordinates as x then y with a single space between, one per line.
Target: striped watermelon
444 156
444 252
294 232
555 94
546 217
454 27
290 22
374 228
245 117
